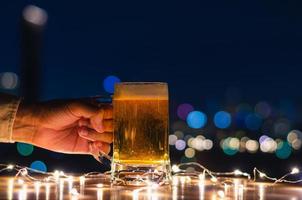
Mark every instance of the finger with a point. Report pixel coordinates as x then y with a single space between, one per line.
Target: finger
108 125
93 135
97 120
84 122
80 109
95 148
107 112
103 147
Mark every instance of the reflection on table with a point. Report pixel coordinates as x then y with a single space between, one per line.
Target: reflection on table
75 187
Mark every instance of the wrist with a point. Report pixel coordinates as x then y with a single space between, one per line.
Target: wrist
24 127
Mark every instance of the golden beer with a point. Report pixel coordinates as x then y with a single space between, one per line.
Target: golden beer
140 134
141 118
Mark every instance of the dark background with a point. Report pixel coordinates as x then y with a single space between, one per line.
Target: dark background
202 49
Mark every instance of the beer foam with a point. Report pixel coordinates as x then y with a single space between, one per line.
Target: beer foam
140 91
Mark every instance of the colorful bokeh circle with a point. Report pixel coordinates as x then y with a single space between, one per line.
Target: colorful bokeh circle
196 119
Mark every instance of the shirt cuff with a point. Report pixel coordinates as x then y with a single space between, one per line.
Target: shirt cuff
8 108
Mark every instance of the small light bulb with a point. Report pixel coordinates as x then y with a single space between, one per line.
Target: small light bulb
82 180
174 180
37 183
10 167
221 194
262 174
201 176
56 173
100 185
74 192
175 168
182 179
237 172
295 170
20 181
214 179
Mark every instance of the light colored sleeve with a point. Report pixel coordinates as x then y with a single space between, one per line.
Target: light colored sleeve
8 109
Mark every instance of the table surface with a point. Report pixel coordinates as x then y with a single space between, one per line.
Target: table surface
238 189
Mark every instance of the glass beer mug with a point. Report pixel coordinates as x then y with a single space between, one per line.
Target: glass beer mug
140 147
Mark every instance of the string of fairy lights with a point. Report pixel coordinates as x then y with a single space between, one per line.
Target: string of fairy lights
24 178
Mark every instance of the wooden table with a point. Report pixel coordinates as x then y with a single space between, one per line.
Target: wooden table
100 189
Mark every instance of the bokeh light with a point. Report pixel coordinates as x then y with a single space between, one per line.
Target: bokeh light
172 139
263 138
252 146
190 142
291 136
253 122
197 143
189 152
230 149
35 15
25 149
180 145
38 165
268 145
222 119
263 119
109 82
196 119
296 144
242 146
183 110
179 134
8 80
234 143
187 137
207 144
284 150
294 139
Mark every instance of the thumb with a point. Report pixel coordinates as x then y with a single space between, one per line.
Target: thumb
80 109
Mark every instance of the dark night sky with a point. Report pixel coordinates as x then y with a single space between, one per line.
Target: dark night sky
198 47
201 48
